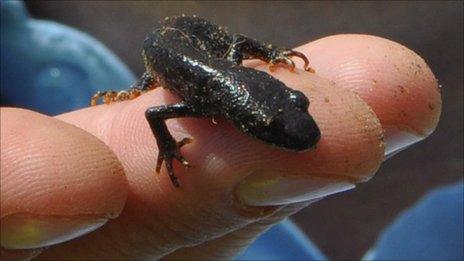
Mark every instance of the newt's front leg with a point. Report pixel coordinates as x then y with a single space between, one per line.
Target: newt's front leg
169 149
243 47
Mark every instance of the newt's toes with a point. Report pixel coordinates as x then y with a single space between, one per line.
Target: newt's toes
182 160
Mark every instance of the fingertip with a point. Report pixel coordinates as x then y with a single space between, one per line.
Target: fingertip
395 81
350 149
351 143
51 168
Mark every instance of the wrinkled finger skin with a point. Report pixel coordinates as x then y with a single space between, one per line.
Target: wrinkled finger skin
54 171
31 142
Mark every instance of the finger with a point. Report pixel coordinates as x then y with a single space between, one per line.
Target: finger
229 170
375 68
228 246
396 82
57 181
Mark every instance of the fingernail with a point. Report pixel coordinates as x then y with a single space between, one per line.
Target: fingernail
26 231
268 189
397 140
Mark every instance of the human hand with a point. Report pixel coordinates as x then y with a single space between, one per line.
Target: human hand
58 181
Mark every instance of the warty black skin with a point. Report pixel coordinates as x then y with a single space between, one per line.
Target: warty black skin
201 63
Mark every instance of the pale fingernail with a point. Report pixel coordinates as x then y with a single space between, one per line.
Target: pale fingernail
397 140
26 231
260 189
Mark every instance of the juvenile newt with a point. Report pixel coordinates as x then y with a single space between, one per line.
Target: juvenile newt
202 63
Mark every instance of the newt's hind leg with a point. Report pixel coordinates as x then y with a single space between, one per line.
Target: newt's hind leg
145 83
243 47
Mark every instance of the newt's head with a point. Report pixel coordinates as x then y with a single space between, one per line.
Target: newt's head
293 130
272 112
292 127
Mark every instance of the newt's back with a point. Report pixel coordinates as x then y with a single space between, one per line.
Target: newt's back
179 66
204 35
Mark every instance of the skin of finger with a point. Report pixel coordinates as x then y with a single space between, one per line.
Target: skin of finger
204 207
228 246
49 167
394 80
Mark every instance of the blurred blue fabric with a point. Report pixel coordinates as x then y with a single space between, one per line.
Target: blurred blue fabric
430 230
52 68
284 241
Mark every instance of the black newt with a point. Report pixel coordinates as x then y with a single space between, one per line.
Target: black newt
201 63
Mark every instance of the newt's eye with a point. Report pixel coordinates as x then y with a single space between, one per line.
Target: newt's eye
299 100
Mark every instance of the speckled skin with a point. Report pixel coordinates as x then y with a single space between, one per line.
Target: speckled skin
201 63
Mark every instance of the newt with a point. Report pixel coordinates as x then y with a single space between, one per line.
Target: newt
202 64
